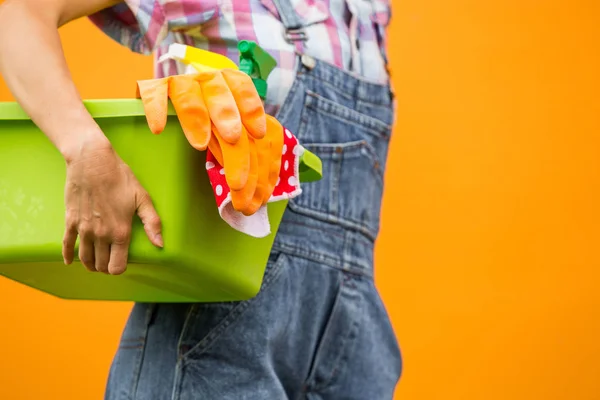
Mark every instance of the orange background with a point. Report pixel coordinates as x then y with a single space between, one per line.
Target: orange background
488 259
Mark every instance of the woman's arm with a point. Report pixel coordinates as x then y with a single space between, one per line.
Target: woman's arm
101 193
34 67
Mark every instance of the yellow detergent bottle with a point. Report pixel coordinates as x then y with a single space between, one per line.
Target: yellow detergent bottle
201 60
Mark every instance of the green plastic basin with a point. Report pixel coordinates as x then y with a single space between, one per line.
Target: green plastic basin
203 260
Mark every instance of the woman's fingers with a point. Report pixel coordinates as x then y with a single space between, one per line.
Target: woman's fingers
101 198
118 258
97 253
102 255
87 254
69 239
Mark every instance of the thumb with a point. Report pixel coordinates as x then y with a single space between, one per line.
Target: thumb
150 219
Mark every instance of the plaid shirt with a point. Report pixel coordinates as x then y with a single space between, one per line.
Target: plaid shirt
347 33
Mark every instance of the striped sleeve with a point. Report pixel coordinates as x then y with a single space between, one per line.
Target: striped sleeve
139 25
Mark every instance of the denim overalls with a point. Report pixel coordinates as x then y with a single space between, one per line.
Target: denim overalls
318 328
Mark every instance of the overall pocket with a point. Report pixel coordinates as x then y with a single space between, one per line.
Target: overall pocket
353 148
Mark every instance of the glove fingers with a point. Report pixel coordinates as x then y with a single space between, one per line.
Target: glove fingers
186 95
236 160
263 150
155 98
255 202
248 102
242 200
221 105
275 137
215 148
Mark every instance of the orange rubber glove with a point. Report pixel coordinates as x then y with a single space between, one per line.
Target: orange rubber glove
263 152
186 96
242 199
275 137
221 111
233 103
235 158
265 163
155 97
227 98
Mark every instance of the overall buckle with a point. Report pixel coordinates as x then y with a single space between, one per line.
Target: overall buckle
295 35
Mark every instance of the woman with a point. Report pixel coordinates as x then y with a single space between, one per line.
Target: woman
317 329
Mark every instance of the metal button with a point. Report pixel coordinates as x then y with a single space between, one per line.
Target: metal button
308 61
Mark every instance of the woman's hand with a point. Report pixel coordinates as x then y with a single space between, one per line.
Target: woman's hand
102 196
101 193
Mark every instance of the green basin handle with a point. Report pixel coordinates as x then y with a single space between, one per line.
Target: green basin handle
311 167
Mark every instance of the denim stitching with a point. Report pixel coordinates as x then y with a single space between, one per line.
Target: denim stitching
295 251
345 114
140 354
320 350
233 315
339 89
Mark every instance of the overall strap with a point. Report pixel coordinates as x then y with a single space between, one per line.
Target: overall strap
294 29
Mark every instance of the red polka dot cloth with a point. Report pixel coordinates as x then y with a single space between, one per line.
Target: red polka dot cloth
288 187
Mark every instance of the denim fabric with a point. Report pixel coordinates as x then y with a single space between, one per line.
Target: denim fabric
318 329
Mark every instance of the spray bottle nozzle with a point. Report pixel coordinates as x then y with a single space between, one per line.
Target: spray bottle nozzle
257 63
